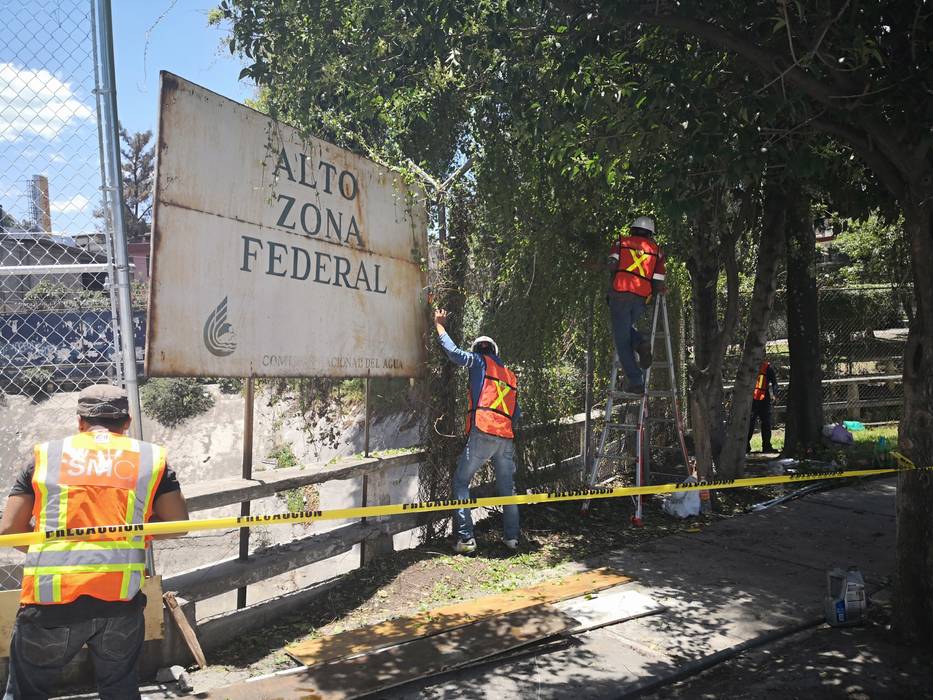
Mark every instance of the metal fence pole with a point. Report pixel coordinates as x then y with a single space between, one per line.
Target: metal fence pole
108 95
105 207
247 474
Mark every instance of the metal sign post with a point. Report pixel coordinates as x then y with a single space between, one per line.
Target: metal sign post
247 474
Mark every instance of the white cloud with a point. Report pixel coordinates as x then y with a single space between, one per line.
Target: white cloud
75 205
36 103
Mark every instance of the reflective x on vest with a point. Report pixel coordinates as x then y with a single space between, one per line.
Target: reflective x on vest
638 259
497 400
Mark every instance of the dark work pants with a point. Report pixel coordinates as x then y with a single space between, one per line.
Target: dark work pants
38 654
761 410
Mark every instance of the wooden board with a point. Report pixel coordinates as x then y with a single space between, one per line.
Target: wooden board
608 607
152 587
422 658
409 627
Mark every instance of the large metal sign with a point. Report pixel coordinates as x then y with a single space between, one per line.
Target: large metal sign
276 255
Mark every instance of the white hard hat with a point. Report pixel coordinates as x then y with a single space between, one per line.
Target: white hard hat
485 339
644 222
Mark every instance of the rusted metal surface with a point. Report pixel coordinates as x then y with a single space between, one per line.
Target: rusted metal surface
274 255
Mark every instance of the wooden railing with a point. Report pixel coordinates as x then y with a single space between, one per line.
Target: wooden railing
230 574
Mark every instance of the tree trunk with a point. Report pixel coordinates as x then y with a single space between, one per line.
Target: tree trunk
805 392
706 386
913 593
771 244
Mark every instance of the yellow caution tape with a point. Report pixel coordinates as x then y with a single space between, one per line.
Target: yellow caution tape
310 516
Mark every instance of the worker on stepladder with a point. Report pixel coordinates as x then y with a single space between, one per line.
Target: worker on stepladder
87 592
637 271
761 406
493 407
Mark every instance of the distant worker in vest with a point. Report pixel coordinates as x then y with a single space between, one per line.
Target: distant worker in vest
492 409
636 272
87 592
761 405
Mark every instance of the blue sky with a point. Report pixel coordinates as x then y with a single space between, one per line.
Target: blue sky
48 120
180 42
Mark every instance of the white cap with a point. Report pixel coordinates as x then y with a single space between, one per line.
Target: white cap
644 222
485 339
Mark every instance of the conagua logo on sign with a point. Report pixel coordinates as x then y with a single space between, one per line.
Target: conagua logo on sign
219 337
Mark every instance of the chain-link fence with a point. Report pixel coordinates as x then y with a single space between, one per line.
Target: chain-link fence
59 306
863 333
57 302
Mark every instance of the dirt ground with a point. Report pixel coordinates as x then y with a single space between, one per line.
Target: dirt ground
857 663
556 538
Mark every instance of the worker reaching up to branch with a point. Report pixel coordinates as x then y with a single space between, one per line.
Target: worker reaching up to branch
492 409
87 592
636 266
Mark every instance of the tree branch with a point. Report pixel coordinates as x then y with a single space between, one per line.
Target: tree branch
880 165
767 62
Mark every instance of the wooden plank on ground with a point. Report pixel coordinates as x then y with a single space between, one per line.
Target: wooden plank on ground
422 658
409 627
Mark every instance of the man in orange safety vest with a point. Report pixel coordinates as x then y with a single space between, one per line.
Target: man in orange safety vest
492 401
761 405
637 271
86 592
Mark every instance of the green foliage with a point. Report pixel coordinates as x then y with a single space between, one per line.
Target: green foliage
284 457
173 401
876 251
55 296
230 385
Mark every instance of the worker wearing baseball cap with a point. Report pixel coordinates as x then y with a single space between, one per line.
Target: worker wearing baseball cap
86 592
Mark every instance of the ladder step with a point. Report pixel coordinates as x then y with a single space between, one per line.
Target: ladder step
621 426
617 458
661 420
661 365
616 394
667 393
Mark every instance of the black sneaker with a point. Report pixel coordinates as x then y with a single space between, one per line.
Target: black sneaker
644 354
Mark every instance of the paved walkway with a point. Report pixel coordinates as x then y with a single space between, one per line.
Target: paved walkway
731 584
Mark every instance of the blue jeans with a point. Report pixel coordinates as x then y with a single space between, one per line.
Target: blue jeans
624 311
38 654
479 449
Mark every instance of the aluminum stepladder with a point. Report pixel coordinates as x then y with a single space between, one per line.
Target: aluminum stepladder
634 423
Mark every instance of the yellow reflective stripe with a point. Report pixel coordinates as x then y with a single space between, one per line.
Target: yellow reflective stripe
158 470
39 479
637 260
125 585
57 588
501 398
130 506
89 569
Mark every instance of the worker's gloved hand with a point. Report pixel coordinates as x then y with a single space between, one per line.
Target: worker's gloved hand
440 317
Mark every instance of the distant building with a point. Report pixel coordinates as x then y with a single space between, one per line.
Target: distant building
42 249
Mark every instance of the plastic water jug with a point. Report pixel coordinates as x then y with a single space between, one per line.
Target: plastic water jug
846 600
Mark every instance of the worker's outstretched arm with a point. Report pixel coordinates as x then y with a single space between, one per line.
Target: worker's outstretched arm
454 354
17 515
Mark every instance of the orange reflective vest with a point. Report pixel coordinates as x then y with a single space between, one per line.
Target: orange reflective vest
636 266
498 398
93 478
761 384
